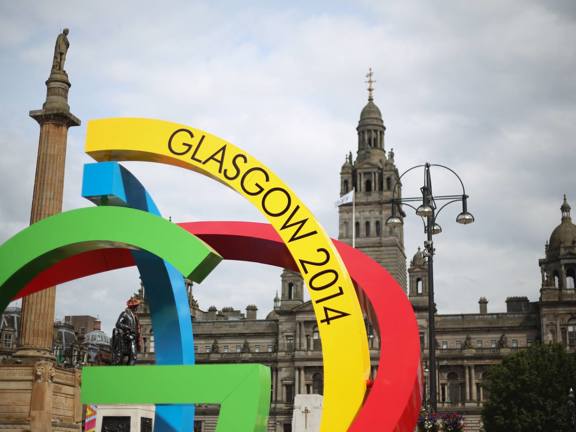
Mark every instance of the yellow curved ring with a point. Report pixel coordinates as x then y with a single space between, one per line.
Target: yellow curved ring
340 321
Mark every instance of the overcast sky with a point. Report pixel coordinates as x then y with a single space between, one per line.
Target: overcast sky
486 88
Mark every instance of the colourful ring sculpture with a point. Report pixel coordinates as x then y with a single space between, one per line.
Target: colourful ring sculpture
330 286
339 316
397 384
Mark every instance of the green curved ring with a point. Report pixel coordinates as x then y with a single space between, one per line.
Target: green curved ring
53 239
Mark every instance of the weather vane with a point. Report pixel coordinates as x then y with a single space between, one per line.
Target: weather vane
370 83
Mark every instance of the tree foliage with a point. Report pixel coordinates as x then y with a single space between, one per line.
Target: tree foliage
528 391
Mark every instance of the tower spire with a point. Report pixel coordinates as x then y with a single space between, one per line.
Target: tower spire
565 209
370 83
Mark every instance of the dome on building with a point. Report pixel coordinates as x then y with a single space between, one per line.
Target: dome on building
418 259
370 115
564 235
347 165
97 337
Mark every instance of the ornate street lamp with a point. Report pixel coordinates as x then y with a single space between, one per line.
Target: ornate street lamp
427 210
572 408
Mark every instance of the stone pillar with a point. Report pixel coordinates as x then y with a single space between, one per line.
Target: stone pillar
296 380
466 384
473 374
54 119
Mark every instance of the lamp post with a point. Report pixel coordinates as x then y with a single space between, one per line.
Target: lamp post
429 212
572 408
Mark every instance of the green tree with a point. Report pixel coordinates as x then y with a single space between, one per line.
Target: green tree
528 391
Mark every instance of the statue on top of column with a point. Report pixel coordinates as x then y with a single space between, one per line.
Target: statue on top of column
60 50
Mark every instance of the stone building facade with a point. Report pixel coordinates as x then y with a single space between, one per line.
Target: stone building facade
287 339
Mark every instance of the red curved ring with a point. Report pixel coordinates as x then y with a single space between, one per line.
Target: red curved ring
394 399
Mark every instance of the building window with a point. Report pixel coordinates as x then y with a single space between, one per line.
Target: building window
367 226
225 348
378 229
286 427
290 343
479 343
571 333
422 340
197 425
444 345
270 347
493 343
514 343
346 230
289 393
556 280
419 289
208 348
388 183
570 279
238 348
256 348
308 388
345 187
7 340
368 185
318 383
195 348
290 291
317 345
529 341
458 344
454 389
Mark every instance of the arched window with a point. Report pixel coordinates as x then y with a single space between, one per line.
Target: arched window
367 228
357 228
346 231
556 280
571 333
378 230
388 183
368 185
570 278
419 289
317 383
290 291
345 186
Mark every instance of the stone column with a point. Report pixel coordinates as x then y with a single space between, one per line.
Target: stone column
473 379
54 118
466 384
